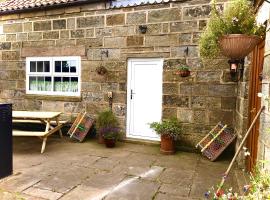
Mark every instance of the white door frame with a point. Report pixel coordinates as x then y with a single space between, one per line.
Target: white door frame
129 82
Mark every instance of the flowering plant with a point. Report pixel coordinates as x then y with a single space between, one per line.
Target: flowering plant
238 18
109 132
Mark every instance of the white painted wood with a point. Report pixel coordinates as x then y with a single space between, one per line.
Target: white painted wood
145 82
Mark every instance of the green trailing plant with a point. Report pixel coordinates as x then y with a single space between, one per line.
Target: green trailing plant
183 68
238 18
170 127
106 119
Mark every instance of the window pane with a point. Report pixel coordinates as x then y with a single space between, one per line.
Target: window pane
48 83
33 66
57 84
39 66
41 83
74 84
72 65
65 84
65 66
46 66
57 66
33 83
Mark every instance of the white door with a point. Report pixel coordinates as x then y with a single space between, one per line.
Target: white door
144 97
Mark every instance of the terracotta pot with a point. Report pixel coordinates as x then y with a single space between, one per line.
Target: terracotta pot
183 73
167 145
110 143
237 46
100 139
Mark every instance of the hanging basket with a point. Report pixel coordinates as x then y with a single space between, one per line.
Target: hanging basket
237 46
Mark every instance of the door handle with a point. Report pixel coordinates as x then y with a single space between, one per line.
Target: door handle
131 94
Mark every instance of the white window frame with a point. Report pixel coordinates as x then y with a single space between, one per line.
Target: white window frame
53 74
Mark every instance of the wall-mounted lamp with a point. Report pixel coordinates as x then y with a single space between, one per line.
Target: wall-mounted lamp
236 69
143 29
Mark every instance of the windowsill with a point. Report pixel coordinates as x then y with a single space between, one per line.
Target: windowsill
54 98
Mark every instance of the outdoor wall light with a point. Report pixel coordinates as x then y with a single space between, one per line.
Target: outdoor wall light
236 69
143 29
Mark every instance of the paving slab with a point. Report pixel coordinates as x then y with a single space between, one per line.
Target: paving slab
70 170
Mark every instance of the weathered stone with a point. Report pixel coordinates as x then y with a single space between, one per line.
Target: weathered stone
151 29
115 42
165 27
173 63
96 21
164 15
53 105
209 76
135 40
185 89
222 90
196 12
91 87
181 51
42 26
136 18
77 33
35 36
196 38
118 19
113 54
95 108
51 35
2 37
123 30
214 102
27 27
10 55
162 40
12 28
169 112
200 89
175 100
170 88
184 26
5 45
185 115
101 32
202 24
71 23
216 116
119 110
16 45
74 107
21 36
43 193
198 101
59 24
89 32
64 34
90 42
228 103
66 42
185 38
11 37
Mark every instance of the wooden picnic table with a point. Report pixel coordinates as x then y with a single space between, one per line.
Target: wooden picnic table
46 118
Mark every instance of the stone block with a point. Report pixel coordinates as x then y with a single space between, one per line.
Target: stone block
185 38
66 42
51 35
198 101
107 87
5 45
169 112
216 116
42 26
220 63
136 18
164 15
228 103
119 97
77 33
35 36
123 30
21 36
16 45
209 76
199 89
95 54
59 24
173 63
186 26
196 12
90 42
170 88
176 100
95 21
64 34
10 55
193 51
118 19
95 108
213 102
53 106
115 42
90 87
199 116
222 90
194 63
162 40
12 28
96 97
196 38
185 89
90 33
101 32
185 115
27 27
135 40
71 23
74 107
2 37
202 24
11 37
152 29
119 110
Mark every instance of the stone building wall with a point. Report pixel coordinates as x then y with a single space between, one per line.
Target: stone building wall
199 101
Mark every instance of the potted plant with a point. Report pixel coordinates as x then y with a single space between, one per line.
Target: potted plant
183 71
107 124
110 136
233 32
169 130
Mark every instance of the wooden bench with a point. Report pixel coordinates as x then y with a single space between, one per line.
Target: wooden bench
50 119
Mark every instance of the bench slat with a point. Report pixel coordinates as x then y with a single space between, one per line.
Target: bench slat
28 133
36 121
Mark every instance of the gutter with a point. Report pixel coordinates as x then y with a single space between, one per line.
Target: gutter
54 6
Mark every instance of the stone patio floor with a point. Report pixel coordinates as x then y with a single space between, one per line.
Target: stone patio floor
88 171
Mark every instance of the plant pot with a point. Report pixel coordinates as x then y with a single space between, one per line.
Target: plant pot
100 139
237 46
110 143
183 73
167 145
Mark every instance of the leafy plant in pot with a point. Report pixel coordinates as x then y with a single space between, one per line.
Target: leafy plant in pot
232 32
183 71
110 135
169 130
107 125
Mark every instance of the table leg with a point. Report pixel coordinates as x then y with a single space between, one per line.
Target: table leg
60 131
47 125
43 144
